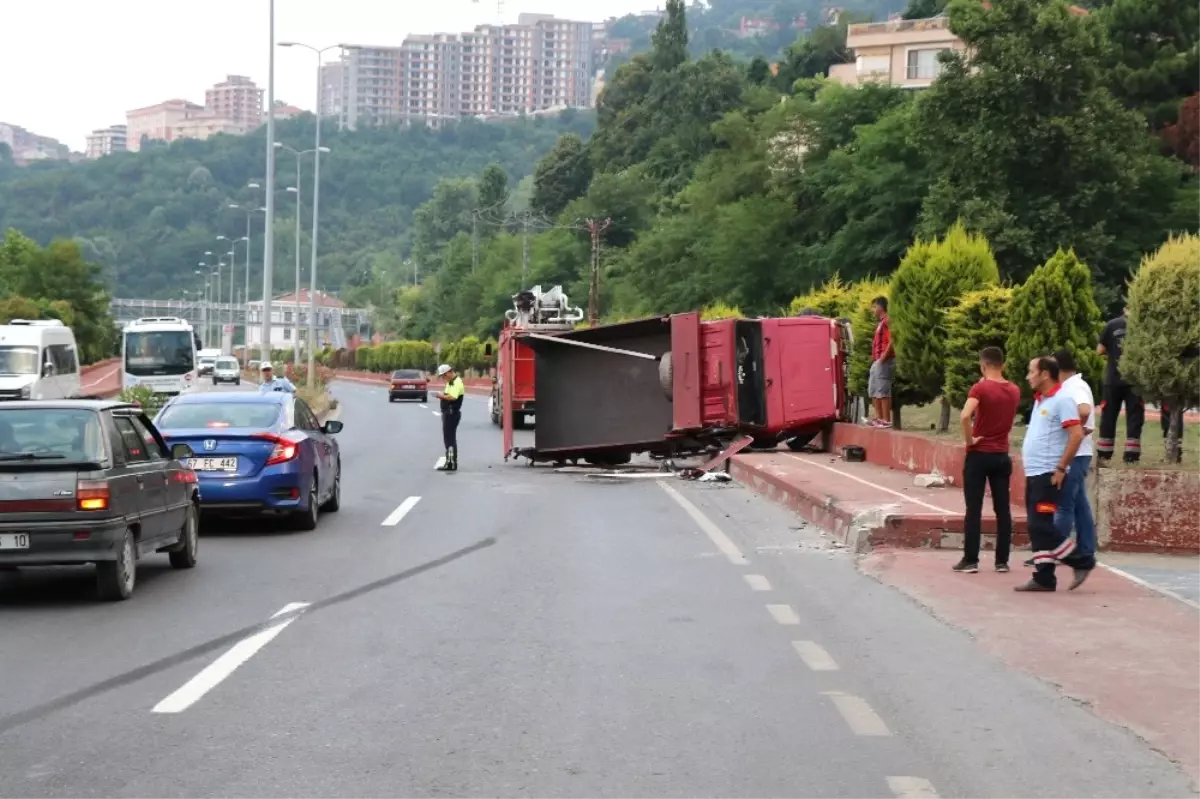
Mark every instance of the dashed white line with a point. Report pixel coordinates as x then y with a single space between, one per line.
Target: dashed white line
858 714
722 542
757 582
400 512
213 674
422 405
437 413
912 788
783 614
815 656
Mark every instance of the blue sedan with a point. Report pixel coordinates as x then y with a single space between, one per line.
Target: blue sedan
257 454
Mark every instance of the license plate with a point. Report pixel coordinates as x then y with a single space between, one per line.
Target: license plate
407 386
530 418
14 540
213 464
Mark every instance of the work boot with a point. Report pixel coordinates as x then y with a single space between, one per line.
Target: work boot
445 466
1034 586
1081 576
452 459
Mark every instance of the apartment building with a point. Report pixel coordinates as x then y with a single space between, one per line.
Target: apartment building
27 147
237 99
157 122
106 141
540 63
205 123
331 89
901 52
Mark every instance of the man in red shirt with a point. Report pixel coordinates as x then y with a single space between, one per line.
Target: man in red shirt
987 421
883 366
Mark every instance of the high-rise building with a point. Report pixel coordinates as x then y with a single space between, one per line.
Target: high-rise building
331 89
539 64
237 99
106 141
157 122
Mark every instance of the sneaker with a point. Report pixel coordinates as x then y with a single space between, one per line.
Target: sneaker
1081 576
966 566
1034 587
1029 562
1002 568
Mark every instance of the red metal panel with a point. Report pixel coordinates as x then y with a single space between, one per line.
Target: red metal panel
522 372
800 364
685 371
719 406
507 347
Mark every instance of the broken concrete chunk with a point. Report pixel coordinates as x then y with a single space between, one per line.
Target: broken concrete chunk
934 480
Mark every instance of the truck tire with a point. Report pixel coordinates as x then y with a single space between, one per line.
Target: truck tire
666 375
607 460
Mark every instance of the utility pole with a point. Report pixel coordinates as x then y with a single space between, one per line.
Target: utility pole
269 232
524 249
595 228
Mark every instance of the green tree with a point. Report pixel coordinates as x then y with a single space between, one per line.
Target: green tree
1159 354
493 188
999 123
979 319
1053 309
562 175
671 38
1153 58
931 279
833 299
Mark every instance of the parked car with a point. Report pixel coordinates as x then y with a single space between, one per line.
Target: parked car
408 384
258 454
38 360
93 481
227 370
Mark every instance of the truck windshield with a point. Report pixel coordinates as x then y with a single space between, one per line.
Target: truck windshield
18 360
159 352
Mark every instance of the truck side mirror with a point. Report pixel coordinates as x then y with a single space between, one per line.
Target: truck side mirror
48 369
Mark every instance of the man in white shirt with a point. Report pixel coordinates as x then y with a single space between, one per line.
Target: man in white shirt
1074 510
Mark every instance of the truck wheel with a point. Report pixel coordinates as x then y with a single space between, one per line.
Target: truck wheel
666 375
604 460
800 442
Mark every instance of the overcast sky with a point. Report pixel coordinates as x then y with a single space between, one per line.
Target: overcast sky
70 66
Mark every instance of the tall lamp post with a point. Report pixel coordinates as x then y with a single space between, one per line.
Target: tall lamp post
269 233
250 211
312 276
296 190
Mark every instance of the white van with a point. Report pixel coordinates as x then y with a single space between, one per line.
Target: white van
38 360
206 360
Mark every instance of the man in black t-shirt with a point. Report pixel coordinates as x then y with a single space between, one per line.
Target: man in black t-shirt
1117 392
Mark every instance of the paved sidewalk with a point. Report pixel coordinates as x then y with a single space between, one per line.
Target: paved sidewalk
1130 654
865 505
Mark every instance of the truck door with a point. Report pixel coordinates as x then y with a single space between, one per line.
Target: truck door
799 356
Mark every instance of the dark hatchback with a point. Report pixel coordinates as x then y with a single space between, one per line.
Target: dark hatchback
408 384
85 481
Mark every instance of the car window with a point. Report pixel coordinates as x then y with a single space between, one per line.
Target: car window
406 374
187 415
135 447
305 419
74 433
227 363
155 449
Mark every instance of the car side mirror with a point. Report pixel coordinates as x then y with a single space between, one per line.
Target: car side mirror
48 369
181 451
331 427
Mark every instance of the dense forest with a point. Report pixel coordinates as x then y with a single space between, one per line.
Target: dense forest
148 218
724 182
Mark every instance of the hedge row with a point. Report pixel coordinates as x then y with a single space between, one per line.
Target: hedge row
468 354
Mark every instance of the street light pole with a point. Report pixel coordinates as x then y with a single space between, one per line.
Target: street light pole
296 308
312 275
269 244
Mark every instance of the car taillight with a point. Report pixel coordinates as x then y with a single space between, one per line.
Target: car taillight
395 384
285 449
91 495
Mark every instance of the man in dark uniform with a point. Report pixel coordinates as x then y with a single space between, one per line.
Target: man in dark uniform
1117 392
452 399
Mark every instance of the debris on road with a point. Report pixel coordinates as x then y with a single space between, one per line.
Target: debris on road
934 480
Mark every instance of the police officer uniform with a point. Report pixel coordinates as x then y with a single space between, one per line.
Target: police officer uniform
451 407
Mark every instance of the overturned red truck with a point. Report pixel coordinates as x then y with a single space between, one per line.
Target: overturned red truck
677 385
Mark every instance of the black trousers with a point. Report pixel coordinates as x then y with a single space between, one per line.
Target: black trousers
1135 418
1050 544
981 469
450 420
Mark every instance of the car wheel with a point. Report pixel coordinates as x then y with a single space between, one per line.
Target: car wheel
214 381
306 519
184 556
237 382
115 578
335 499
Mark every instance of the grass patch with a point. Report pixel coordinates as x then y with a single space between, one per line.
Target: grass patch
923 419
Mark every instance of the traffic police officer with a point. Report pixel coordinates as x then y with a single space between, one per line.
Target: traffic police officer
452 399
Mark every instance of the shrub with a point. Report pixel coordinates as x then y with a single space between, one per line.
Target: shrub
1164 323
833 299
144 397
932 278
720 310
1051 310
978 320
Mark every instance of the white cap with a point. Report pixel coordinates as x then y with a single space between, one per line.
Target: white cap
264 366
441 370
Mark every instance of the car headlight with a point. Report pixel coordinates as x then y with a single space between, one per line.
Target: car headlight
26 392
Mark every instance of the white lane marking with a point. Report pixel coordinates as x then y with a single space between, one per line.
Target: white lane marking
912 788
212 675
722 542
1157 589
877 487
858 714
400 512
784 614
437 413
815 656
758 582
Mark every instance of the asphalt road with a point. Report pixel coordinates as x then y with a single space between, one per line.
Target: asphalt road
517 631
